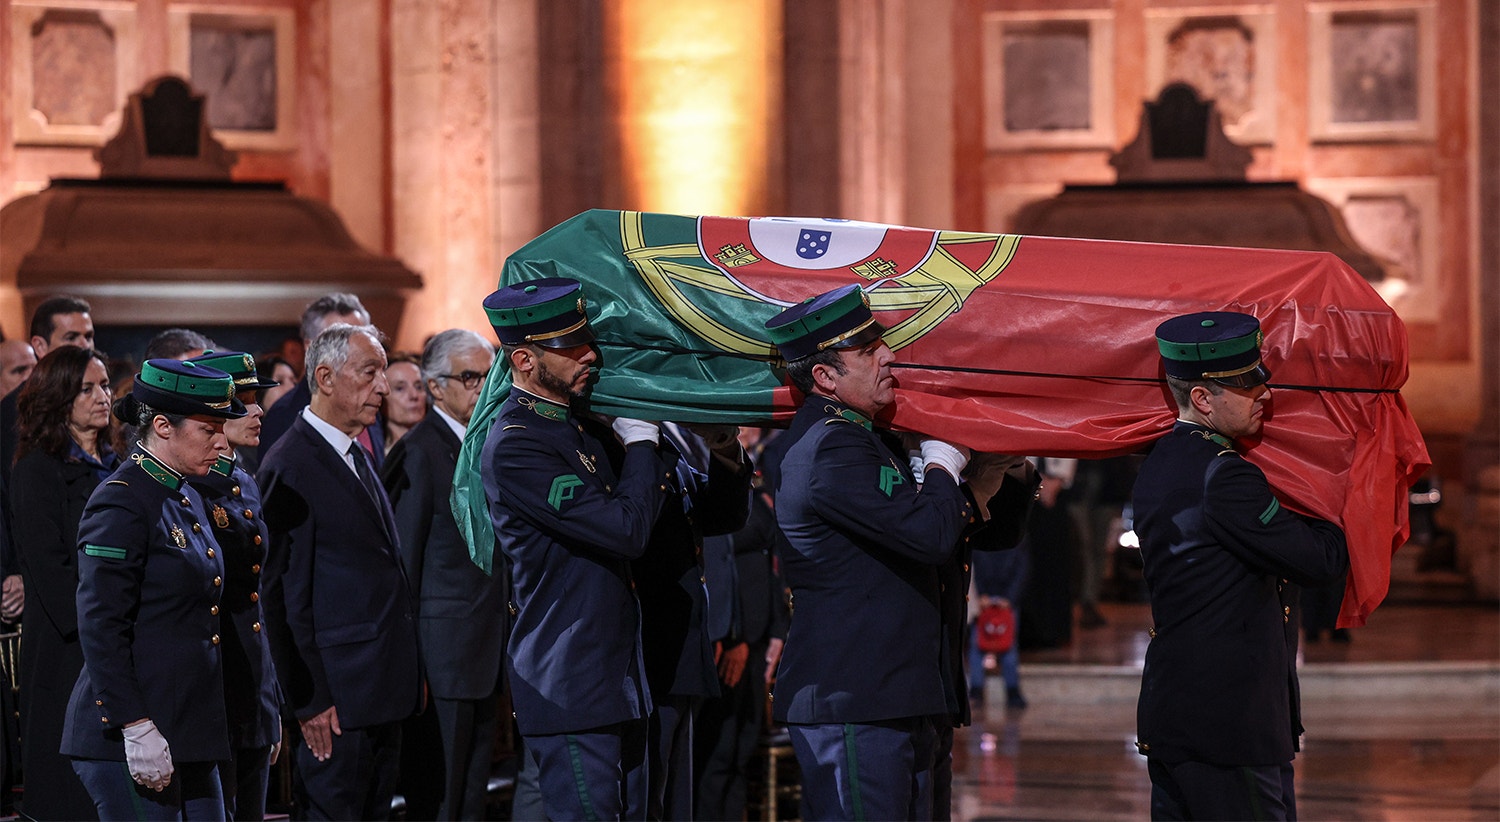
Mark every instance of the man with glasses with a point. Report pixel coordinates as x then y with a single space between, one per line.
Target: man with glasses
460 609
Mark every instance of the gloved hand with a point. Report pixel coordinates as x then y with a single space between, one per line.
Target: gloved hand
985 474
717 437
148 756
633 431
950 458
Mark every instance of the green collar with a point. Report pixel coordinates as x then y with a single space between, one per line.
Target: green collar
224 466
844 412
541 407
156 469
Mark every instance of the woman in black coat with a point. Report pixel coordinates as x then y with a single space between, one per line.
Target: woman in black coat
62 454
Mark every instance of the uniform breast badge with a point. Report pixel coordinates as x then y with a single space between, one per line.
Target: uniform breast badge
221 517
588 462
178 537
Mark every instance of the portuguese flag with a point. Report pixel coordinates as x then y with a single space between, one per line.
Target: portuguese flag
1004 343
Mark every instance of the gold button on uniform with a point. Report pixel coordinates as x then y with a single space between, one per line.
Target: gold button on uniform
249 514
199 529
214 610
235 490
210 551
216 639
254 597
218 581
184 502
255 569
255 627
257 539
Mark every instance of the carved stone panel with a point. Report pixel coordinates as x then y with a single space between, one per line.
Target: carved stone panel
71 65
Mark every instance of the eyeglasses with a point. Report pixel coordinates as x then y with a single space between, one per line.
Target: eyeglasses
470 379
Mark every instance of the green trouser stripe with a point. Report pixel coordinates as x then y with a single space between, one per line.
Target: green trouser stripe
582 784
135 796
852 755
1252 785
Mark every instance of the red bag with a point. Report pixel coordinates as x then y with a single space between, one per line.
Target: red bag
996 628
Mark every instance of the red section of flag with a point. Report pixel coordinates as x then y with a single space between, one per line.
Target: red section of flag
1057 356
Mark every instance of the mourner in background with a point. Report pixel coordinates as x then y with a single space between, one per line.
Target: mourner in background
252 701
861 684
1219 715
568 526
150 577
461 610
63 420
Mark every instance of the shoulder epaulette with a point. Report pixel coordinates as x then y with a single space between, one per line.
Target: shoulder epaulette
117 482
513 425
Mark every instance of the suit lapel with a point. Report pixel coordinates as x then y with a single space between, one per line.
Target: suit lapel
334 464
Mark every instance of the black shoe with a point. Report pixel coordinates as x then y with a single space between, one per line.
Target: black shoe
1013 699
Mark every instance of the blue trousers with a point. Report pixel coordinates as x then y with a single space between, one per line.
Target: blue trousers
596 774
879 770
1198 790
194 792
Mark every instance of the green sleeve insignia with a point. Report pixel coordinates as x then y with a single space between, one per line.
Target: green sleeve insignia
1265 516
562 490
103 551
889 479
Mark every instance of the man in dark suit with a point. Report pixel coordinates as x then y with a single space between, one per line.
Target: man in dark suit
461 610
338 608
338 307
1219 715
861 683
568 524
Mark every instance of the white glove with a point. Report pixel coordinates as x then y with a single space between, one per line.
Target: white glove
633 431
950 458
148 756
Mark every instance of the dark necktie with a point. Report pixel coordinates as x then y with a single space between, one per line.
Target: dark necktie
362 468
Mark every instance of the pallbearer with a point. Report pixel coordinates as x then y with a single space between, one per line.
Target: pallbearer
861 684
1219 715
568 525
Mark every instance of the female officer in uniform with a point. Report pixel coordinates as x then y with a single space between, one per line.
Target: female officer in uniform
146 724
251 699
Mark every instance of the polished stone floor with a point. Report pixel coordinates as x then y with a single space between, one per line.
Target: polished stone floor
1403 723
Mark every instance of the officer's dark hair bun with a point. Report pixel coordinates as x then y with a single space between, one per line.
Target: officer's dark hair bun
127 409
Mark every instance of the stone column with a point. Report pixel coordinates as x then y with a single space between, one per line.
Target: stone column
443 145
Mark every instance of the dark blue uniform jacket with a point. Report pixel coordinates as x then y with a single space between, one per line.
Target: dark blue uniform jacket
568 527
1220 681
149 581
866 638
461 610
252 697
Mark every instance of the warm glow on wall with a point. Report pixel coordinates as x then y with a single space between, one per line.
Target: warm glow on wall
698 85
